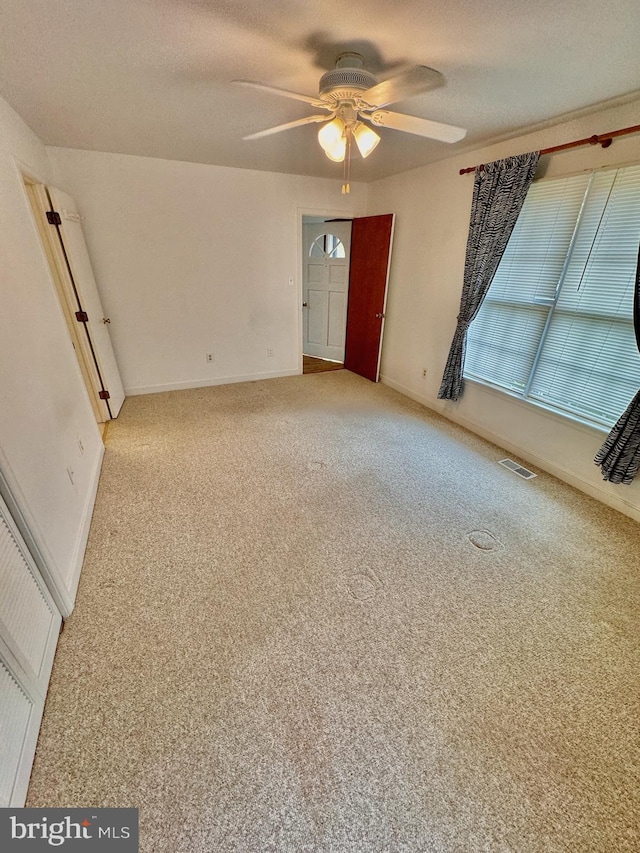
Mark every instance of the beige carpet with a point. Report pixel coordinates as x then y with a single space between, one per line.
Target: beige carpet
286 640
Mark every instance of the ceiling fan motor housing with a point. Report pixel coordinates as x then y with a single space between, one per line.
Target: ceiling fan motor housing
346 80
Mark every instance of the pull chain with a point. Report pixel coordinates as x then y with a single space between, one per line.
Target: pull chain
346 187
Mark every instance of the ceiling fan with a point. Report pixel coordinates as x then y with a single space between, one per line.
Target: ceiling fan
351 95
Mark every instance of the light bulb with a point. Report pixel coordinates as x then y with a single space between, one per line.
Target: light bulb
337 151
366 139
331 133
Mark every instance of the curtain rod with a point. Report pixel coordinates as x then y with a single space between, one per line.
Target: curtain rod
604 139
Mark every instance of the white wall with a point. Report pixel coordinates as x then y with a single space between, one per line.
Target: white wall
192 259
432 207
44 407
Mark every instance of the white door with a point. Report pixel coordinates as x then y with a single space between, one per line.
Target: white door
29 627
326 248
84 284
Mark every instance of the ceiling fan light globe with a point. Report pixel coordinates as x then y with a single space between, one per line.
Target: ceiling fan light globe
337 151
366 139
331 133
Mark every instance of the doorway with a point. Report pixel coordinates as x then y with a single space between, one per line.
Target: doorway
345 275
59 228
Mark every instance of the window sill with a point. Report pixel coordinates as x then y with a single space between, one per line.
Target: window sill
581 424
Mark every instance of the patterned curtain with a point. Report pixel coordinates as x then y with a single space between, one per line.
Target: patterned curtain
619 456
499 192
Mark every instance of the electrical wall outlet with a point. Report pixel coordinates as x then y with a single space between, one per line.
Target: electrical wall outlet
80 446
424 372
269 352
70 473
209 356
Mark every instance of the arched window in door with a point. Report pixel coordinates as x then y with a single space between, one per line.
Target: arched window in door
327 246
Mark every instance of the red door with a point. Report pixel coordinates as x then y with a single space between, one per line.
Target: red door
368 276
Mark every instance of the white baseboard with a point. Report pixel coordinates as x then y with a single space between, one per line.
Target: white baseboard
605 497
205 383
83 533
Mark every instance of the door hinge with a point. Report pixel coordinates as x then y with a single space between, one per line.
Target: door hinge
82 317
53 217
104 395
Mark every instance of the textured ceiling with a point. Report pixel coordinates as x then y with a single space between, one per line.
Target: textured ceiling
152 77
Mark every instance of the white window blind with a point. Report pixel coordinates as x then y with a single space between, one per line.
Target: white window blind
557 323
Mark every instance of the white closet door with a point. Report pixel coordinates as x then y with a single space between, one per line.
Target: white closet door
17 731
29 627
81 271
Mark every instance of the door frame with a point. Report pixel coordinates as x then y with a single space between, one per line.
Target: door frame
330 213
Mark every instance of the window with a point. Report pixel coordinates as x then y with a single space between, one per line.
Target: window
556 326
327 246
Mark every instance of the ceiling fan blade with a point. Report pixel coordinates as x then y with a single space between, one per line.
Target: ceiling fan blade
419 126
411 82
307 99
297 123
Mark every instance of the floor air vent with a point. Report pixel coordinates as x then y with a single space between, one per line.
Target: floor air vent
518 469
